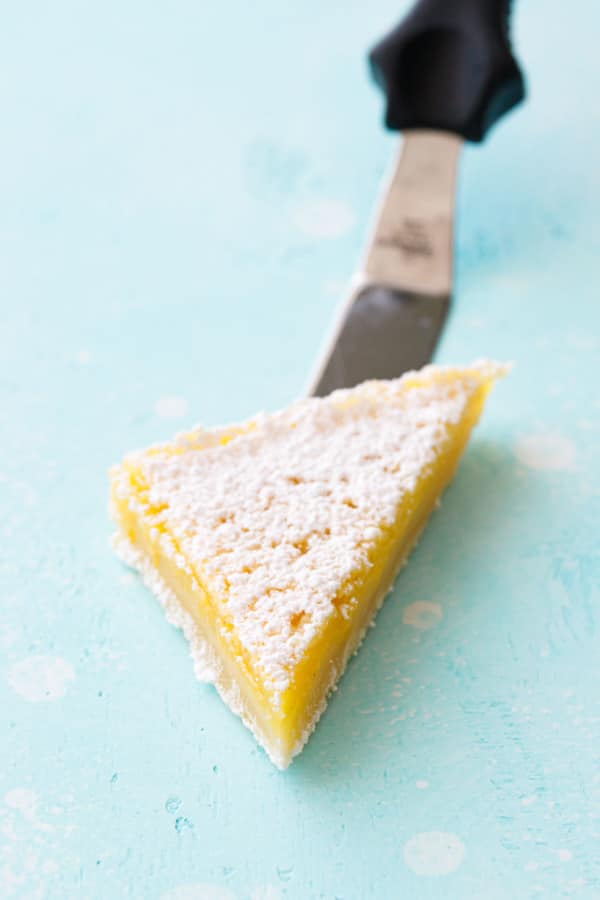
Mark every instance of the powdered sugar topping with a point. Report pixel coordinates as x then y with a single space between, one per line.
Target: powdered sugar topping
278 515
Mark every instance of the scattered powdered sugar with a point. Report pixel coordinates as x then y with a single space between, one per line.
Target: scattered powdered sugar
278 514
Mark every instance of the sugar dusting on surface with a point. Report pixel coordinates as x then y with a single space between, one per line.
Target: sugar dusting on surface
277 515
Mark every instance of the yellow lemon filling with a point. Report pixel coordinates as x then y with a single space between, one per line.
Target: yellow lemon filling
273 543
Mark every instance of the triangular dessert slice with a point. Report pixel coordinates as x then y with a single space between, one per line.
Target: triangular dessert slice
273 543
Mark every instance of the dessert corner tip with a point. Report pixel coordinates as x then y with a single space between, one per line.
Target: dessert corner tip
492 369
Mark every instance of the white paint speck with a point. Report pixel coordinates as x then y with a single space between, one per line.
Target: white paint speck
528 801
83 357
202 891
335 287
8 635
564 855
422 784
41 679
531 866
549 451
26 802
9 831
266 892
476 322
422 614
22 799
434 853
170 406
49 867
582 340
587 424
321 217
26 863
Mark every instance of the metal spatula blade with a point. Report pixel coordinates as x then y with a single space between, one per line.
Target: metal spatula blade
448 74
397 310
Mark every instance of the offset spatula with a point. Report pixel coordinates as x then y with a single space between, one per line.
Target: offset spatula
448 75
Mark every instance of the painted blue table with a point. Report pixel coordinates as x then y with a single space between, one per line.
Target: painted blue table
176 228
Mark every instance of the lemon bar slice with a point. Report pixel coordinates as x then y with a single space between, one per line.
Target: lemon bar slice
273 543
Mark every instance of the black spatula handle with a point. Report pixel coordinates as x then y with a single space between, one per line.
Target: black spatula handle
448 65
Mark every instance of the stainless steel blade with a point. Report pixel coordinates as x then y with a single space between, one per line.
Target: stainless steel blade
384 333
397 309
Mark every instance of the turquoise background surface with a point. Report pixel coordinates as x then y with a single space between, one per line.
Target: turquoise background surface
184 193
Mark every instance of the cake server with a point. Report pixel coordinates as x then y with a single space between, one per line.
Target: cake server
448 74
